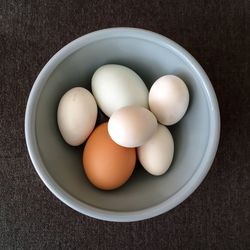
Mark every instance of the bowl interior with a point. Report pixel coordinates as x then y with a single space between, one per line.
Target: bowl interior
150 61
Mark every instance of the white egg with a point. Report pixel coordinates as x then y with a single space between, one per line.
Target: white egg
156 154
132 126
76 115
168 99
116 86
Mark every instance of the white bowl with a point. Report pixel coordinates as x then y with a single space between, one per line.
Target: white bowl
196 136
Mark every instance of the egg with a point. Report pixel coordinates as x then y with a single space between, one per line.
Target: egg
106 164
132 126
76 115
116 86
168 99
156 154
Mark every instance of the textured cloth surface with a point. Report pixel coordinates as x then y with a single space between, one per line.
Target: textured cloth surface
216 215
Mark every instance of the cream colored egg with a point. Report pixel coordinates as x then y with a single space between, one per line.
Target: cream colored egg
116 86
168 99
132 126
76 115
157 153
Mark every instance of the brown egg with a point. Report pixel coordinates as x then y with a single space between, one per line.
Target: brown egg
106 164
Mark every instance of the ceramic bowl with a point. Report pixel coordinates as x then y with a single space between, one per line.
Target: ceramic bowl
59 165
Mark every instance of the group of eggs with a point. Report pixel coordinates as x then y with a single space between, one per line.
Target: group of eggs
135 127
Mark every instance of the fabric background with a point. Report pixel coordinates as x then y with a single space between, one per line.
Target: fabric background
216 215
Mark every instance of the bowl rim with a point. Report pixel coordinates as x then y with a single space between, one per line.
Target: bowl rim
122 216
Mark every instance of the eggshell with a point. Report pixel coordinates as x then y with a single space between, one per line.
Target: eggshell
106 164
156 154
132 126
76 115
116 86
168 99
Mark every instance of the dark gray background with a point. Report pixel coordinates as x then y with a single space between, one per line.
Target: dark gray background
217 34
